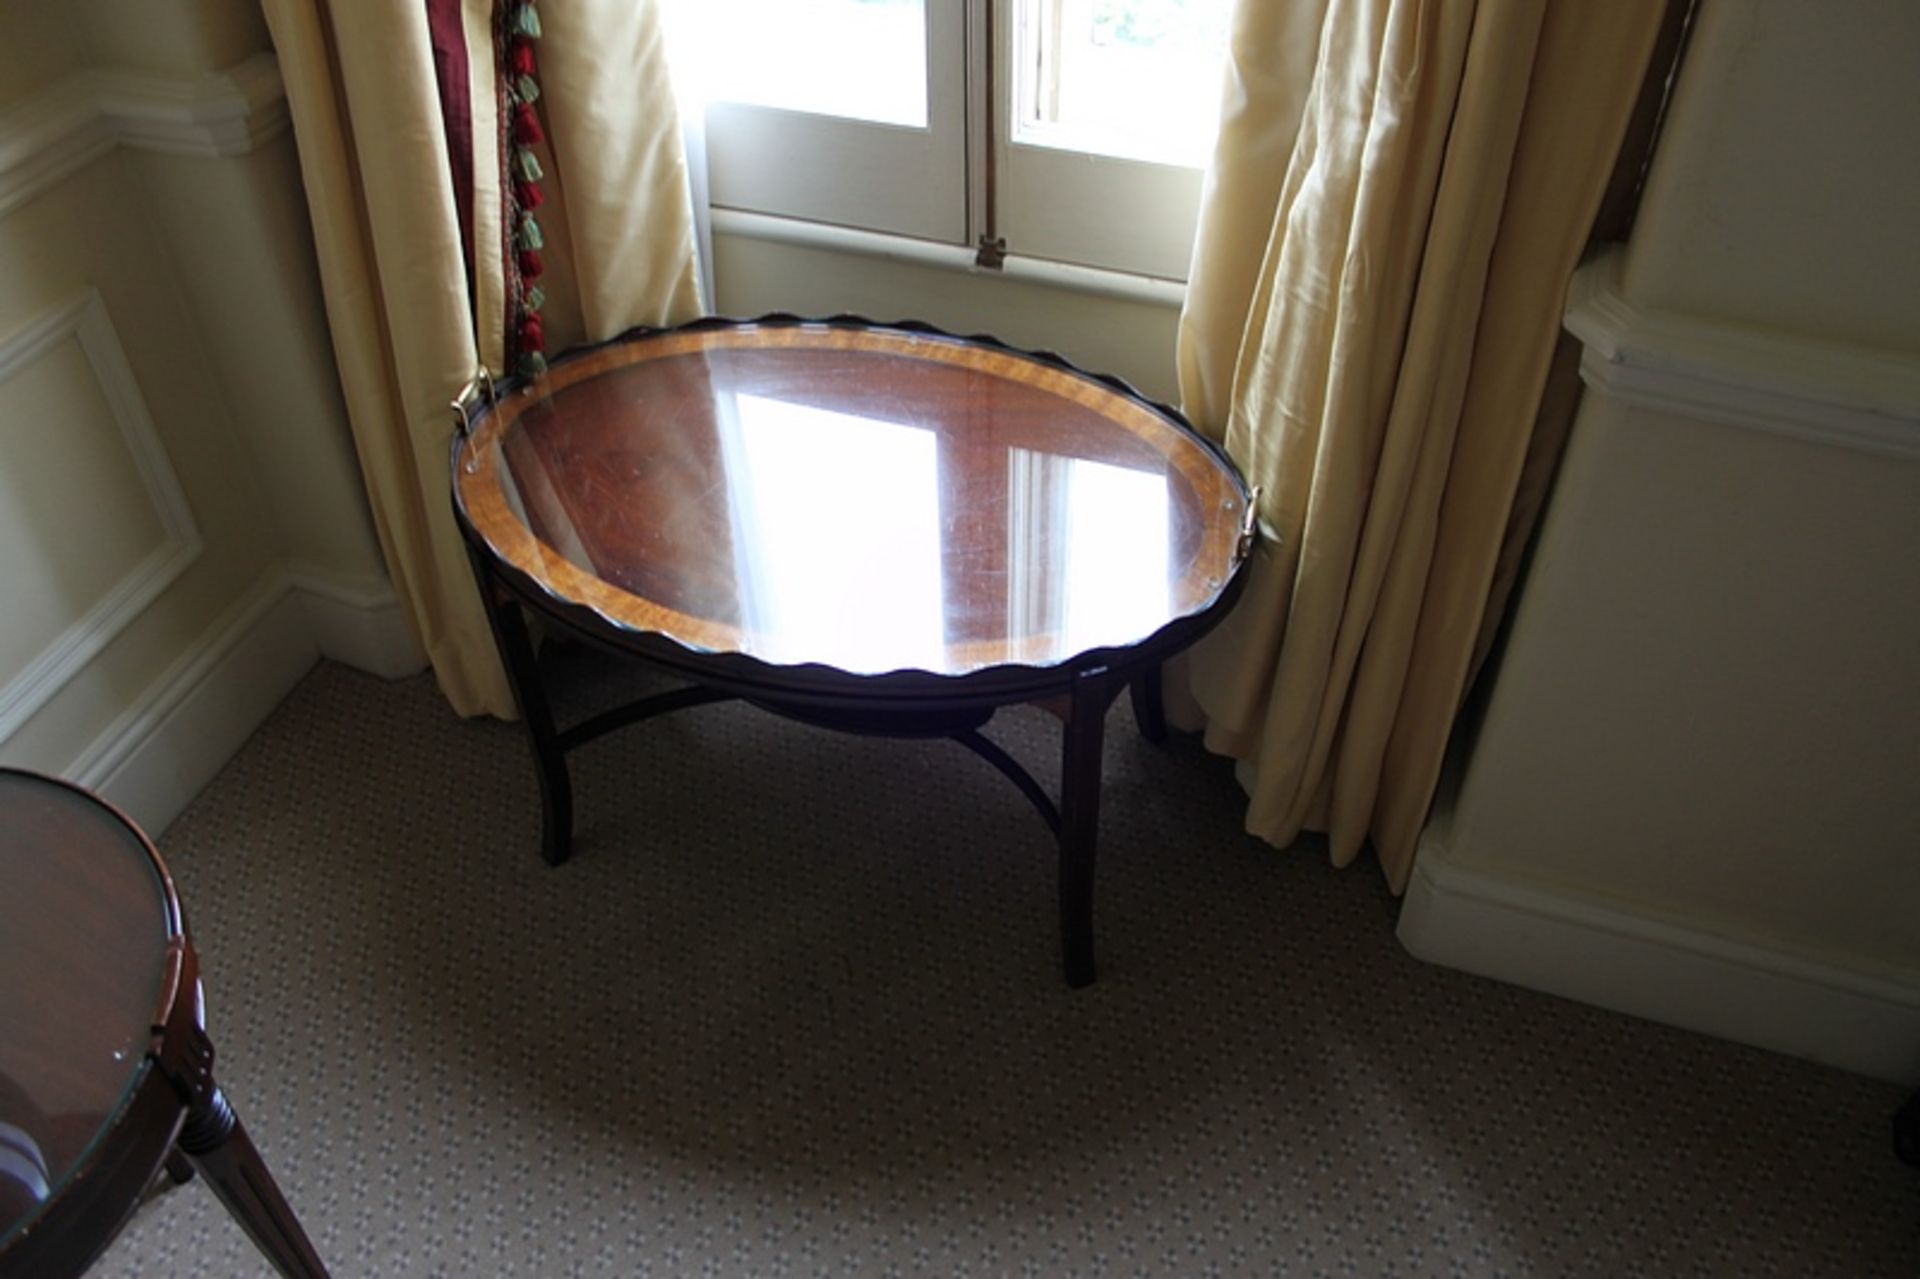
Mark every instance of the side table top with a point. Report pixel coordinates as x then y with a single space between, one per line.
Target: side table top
853 496
87 917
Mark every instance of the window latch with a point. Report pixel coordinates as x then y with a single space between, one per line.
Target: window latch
992 252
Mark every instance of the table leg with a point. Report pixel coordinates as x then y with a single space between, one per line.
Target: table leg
216 1144
523 674
1093 692
1149 707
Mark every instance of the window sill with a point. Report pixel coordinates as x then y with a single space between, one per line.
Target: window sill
951 257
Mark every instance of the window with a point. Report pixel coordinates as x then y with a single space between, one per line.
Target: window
1139 79
1068 130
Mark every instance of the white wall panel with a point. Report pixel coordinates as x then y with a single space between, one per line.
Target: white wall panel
93 523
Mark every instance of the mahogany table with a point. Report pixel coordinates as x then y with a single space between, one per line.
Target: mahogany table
881 529
106 1072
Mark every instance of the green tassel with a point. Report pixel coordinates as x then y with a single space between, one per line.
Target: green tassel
526 22
526 166
526 89
529 236
532 363
533 299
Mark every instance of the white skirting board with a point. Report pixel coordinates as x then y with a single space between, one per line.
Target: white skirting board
358 623
1605 954
164 747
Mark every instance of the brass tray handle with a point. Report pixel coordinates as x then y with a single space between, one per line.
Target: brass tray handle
478 390
1249 526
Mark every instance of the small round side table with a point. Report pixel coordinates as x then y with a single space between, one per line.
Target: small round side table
106 1071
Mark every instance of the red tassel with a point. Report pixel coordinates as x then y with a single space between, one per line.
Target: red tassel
526 126
532 336
520 57
528 196
531 267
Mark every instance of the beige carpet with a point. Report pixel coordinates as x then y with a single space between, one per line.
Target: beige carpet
794 1008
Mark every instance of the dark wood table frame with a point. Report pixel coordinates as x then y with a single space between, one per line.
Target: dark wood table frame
902 704
177 1118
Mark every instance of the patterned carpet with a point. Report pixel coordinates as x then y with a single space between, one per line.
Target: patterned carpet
794 1008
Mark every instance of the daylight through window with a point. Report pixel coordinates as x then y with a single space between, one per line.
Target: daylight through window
875 114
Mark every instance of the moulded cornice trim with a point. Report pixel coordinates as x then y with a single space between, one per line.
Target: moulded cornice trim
220 113
61 129
1781 383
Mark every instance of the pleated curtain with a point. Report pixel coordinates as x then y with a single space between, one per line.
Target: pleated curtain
410 230
1399 195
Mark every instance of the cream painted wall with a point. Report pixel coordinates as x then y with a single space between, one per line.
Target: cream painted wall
1130 339
162 630
38 44
1709 707
90 231
180 36
1796 203
1695 792
237 229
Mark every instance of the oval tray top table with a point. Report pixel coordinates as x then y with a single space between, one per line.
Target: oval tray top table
106 1072
882 529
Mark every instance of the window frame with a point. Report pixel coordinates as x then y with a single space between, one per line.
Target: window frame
1080 207
845 181
1063 214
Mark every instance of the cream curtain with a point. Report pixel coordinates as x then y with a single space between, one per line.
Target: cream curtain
1400 192
361 88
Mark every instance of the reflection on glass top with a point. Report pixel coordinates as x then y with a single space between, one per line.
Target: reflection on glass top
869 501
83 933
813 484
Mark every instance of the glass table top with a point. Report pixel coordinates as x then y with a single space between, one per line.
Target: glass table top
867 499
85 919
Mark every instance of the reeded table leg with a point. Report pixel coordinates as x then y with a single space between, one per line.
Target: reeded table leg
216 1143
217 1146
1093 693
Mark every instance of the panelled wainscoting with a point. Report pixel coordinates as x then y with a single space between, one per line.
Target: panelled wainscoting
181 534
1692 795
